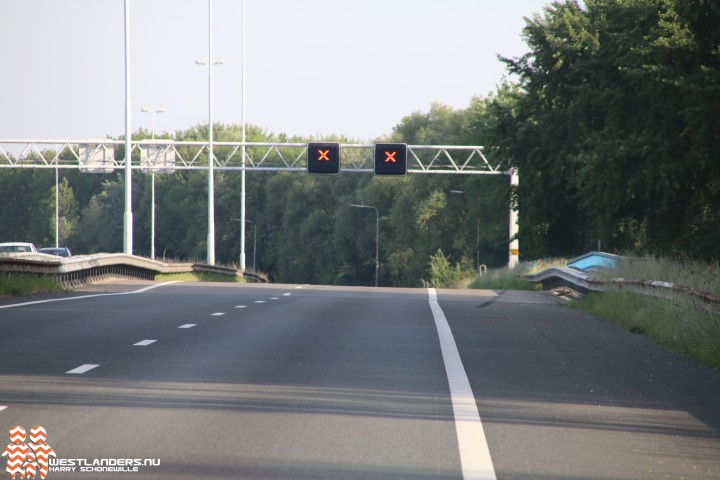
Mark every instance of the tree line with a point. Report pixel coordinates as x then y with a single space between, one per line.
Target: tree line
610 118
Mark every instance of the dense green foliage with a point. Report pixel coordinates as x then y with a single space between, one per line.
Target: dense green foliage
614 127
612 123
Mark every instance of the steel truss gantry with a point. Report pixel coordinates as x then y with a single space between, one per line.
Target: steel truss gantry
167 156
163 156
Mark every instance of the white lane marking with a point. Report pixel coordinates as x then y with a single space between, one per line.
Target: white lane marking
474 452
259 301
241 306
274 298
2 407
144 343
297 288
188 325
286 294
80 297
83 368
218 314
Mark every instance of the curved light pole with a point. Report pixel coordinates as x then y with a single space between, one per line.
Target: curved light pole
152 185
377 238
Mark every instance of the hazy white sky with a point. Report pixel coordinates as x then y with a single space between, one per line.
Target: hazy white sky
352 67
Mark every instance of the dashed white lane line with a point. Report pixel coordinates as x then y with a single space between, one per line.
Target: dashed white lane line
188 325
83 368
297 288
218 314
241 306
259 301
144 343
274 298
472 443
286 294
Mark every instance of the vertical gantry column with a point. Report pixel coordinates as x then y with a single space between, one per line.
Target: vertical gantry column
514 245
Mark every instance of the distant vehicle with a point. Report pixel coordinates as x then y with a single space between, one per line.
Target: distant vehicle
58 252
17 247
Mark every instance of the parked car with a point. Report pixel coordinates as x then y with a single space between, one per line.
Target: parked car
17 247
58 252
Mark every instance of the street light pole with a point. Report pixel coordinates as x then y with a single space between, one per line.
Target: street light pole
152 185
242 174
211 155
128 217
377 238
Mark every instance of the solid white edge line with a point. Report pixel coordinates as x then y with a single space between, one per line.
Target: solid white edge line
83 368
80 297
472 443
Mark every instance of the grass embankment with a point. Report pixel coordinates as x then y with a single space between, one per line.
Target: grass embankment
680 321
506 279
18 284
198 277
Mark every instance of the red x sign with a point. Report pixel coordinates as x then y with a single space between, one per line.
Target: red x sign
390 157
323 155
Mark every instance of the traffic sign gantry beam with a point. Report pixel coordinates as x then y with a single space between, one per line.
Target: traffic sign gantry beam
260 156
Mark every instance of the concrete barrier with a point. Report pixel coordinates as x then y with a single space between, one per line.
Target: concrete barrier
87 268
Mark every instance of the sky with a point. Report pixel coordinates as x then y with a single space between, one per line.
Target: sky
312 67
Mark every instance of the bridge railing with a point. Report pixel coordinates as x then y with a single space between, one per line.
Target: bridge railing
88 268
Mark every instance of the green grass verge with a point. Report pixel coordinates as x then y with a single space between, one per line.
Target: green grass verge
198 277
683 325
503 279
18 284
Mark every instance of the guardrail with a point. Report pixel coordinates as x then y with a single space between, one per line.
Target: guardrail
580 280
88 268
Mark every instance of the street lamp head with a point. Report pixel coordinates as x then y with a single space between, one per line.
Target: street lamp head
145 109
199 62
359 206
219 62
160 110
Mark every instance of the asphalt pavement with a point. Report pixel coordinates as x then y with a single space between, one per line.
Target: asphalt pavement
202 380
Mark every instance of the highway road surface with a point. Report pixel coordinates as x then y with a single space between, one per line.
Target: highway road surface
230 381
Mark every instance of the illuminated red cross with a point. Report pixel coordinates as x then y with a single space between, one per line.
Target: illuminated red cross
390 157
324 155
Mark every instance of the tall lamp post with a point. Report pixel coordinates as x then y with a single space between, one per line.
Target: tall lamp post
377 238
211 166
242 175
152 185
128 216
